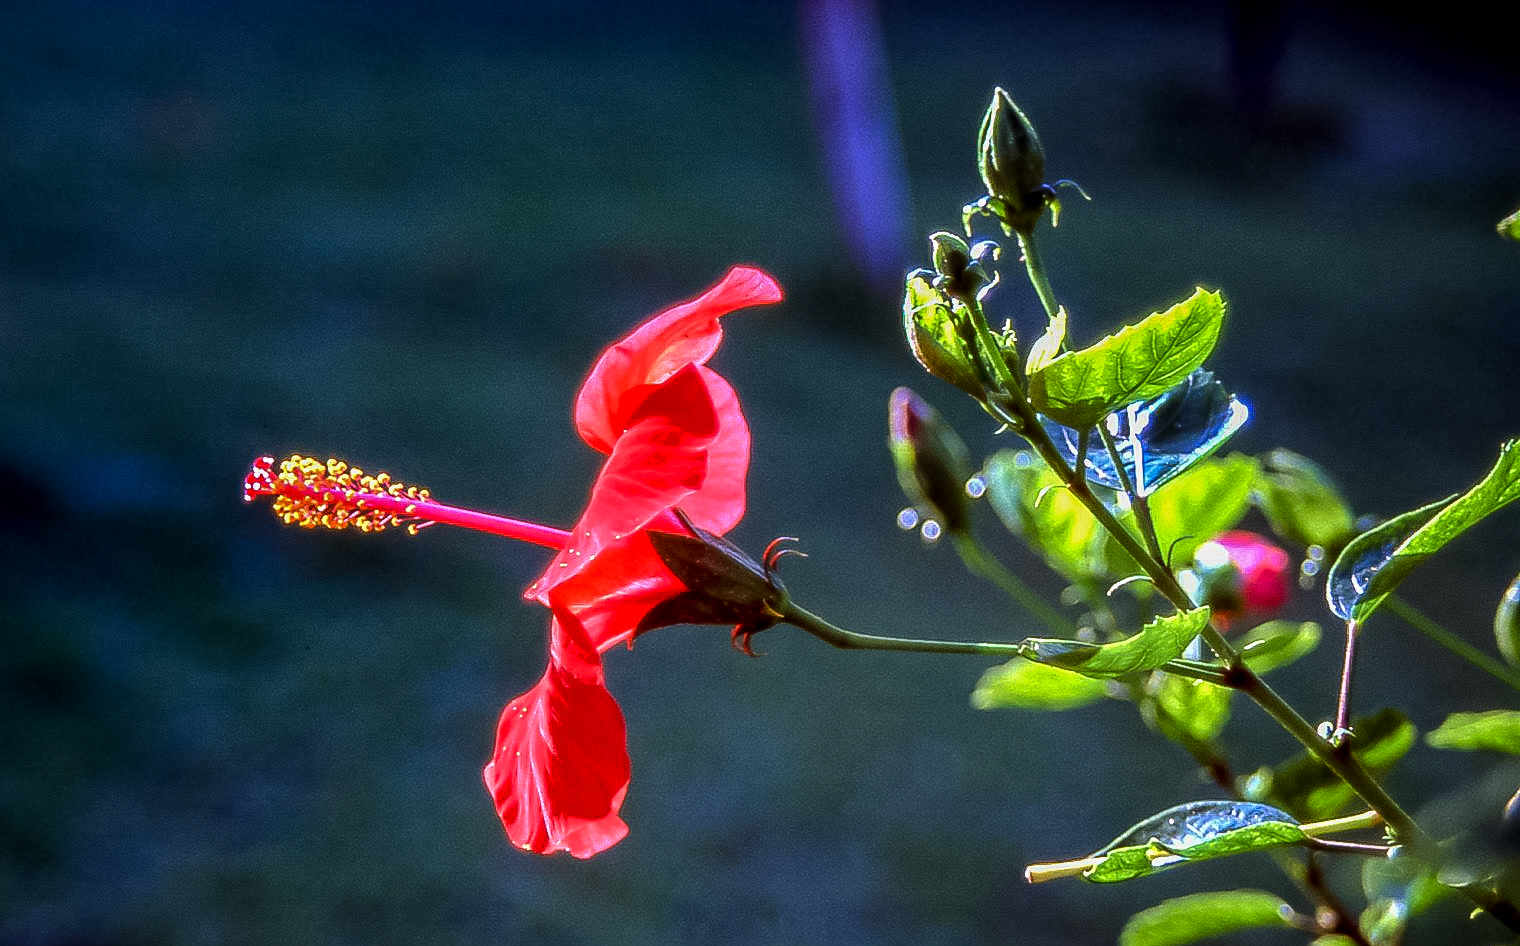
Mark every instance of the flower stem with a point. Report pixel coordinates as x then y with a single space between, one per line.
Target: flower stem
1035 268
980 562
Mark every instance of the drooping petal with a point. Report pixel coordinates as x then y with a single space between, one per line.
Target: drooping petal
560 768
659 461
685 334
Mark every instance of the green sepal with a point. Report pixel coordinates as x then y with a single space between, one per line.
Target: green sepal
1375 562
1020 684
1161 640
1494 730
1140 361
1189 919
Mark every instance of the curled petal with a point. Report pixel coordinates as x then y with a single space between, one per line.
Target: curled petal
657 463
560 768
685 334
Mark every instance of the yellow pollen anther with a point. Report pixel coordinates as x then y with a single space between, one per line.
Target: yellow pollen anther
333 495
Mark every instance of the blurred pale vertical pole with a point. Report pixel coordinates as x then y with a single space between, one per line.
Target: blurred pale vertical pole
856 117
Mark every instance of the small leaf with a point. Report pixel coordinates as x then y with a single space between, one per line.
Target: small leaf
1139 362
1193 832
1207 499
1507 623
1277 644
1301 502
1189 708
1201 915
1375 562
1496 730
1161 640
1160 438
1048 346
1032 503
1020 684
1509 227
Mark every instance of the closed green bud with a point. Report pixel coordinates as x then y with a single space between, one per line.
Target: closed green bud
932 462
929 323
1012 165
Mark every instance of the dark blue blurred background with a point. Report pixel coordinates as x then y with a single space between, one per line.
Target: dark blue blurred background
399 232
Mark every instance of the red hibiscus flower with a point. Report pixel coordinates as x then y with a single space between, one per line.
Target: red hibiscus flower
677 450
1241 573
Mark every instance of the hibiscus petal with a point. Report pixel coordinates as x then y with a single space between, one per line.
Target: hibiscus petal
718 504
609 598
560 767
685 334
659 461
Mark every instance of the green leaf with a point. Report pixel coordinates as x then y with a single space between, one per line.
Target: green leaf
1048 346
1507 623
1140 361
1373 565
1509 227
1301 502
1033 504
1188 708
1019 684
1397 888
1305 787
1161 640
1277 644
1496 730
1202 502
1195 831
1202 915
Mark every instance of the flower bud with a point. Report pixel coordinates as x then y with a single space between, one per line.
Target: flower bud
1238 573
932 462
929 323
1012 164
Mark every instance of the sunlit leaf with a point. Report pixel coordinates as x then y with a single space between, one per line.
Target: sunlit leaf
1159 438
1374 563
1193 832
1141 361
1048 346
1202 915
1301 502
1507 623
1509 227
1188 708
1305 787
1495 730
1277 644
1021 684
1032 503
1161 640
1205 500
